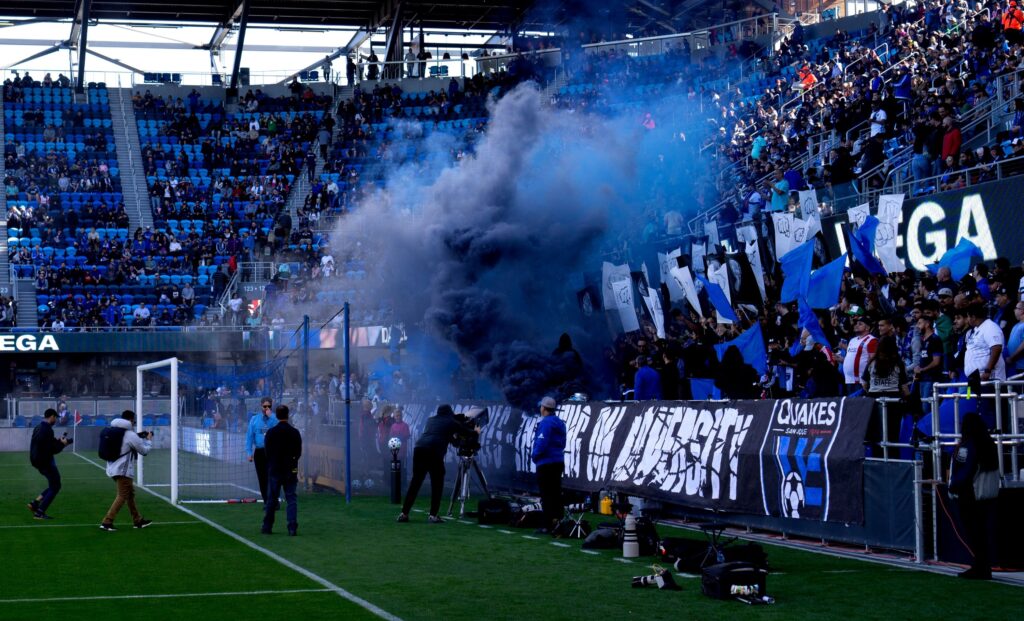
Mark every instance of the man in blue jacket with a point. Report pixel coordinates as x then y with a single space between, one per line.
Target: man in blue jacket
44 446
647 381
255 437
549 455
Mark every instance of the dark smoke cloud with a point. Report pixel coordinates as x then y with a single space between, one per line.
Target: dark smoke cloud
480 254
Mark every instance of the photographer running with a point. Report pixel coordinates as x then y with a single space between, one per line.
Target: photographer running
428 457
41 453
549 455
122 469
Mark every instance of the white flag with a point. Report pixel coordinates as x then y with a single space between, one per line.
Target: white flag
719 274
667 262
697 254
754 258
711 228
623 289
810 212
890 208
653 302
858 214
684 280
783 223
609 274
746 233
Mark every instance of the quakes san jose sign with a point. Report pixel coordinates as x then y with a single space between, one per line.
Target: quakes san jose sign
28 343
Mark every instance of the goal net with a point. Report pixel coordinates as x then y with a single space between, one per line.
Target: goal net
200 452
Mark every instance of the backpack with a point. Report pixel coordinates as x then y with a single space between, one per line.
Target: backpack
111 439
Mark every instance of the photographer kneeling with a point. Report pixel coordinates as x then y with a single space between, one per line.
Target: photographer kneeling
428 457
122 469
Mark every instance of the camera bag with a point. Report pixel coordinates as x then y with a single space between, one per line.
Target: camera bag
111 439
717 580
751 553
494 511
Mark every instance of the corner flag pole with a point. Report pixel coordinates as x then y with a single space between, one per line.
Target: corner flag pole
348 411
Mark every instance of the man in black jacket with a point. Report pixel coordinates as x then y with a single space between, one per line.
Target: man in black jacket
41 452
283 446
428 458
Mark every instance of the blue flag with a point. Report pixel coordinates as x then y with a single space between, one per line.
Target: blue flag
796 270
958 259
751 346
862 245
809 322
825 284
718 299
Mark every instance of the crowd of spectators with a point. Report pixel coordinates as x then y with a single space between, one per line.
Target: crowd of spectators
846 114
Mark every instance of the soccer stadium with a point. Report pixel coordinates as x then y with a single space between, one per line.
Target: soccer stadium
512 309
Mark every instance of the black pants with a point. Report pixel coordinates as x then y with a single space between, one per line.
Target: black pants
259 459
977 519
426 461
52 485
549 479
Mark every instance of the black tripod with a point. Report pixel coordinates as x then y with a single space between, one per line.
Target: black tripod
467 462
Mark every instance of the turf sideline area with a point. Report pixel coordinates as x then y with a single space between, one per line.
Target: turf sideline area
376 610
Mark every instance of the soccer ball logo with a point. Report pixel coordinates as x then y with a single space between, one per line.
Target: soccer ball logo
792 495
394 444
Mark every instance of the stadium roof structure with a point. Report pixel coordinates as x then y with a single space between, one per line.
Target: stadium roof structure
469 14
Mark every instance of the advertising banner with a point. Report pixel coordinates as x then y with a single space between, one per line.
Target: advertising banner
781 458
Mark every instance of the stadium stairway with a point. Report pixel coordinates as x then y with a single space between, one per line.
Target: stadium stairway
302 185
129 159
25 289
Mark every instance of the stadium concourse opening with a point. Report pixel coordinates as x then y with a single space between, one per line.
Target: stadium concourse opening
762 266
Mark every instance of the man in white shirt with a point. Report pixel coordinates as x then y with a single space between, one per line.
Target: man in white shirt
142 315
860 350
984 346
878 119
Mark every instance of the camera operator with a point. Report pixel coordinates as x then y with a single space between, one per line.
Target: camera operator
122 470
41 453
428 457
549 455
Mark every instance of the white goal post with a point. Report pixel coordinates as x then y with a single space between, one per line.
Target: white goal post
139 370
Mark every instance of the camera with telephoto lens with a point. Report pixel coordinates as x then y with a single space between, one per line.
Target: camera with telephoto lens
467 443
662 578
68 440
146 435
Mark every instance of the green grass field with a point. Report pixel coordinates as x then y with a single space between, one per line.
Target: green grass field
182 567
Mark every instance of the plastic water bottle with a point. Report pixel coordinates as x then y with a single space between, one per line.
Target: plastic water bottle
630 544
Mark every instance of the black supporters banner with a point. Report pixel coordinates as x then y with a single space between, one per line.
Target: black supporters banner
782 458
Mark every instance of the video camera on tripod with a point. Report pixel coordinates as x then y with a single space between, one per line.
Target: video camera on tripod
467 443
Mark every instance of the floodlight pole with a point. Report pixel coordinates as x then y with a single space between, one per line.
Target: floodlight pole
242 23
348 410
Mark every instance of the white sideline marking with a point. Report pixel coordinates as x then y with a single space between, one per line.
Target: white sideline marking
91 525
531 537
418 511
42 600
688 575
505 532
465 522
380 612
589 552
485 526
560 545
622 560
